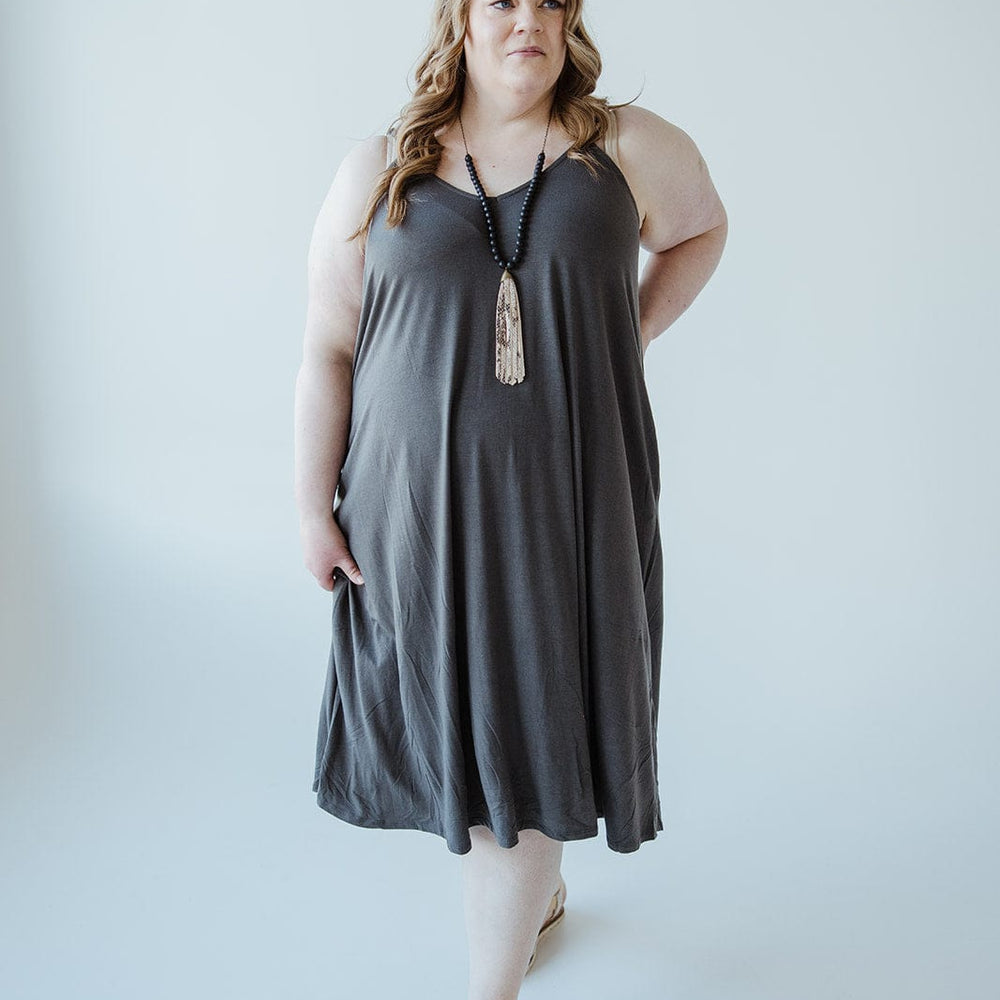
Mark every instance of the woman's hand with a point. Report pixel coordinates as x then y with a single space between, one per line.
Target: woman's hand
324 548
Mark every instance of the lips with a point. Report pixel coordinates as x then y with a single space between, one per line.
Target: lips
532 48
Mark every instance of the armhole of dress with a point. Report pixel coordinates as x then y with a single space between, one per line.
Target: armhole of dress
611 139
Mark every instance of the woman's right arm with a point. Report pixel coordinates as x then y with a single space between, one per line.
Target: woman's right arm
323 384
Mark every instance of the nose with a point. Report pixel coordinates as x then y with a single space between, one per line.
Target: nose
528 19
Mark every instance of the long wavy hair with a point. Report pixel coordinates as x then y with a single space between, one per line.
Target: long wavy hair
437 99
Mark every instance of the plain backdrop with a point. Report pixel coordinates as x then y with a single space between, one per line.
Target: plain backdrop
828 424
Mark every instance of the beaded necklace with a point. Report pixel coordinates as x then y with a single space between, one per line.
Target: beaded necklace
509 345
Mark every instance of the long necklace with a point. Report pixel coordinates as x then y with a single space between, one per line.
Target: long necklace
509 345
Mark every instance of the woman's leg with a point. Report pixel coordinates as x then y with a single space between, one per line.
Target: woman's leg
507 893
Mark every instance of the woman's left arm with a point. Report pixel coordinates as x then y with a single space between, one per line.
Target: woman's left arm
684 223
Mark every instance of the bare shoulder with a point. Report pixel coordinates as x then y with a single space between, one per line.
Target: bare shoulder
642 127
343 210
335 263
343 206
673 189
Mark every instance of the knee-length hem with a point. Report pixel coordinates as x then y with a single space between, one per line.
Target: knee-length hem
459 841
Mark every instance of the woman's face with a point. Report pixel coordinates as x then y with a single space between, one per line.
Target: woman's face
496 33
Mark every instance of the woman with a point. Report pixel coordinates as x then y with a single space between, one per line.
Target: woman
473 383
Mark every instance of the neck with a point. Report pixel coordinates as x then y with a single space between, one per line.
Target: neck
506 115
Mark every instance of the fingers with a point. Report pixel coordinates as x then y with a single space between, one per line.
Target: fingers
353 572
326 552
350 570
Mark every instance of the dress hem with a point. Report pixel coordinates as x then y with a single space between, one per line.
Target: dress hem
507 841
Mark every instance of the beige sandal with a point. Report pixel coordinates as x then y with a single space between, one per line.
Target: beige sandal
553 916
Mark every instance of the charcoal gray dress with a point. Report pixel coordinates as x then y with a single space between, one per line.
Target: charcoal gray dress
500 666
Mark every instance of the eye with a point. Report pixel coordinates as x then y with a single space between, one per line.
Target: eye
548 4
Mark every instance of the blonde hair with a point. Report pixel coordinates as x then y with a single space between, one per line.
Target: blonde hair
437 98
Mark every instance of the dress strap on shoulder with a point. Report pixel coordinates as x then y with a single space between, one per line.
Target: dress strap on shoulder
611 138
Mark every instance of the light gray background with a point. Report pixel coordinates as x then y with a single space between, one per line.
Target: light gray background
828 424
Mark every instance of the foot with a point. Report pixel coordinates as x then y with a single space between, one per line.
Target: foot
556 911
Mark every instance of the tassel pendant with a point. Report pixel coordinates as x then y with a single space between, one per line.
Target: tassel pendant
510 349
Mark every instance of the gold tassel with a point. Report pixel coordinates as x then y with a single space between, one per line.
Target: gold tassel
510 349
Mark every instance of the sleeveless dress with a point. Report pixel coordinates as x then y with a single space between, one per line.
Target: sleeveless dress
500 665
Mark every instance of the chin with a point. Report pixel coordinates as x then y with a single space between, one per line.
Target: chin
526 81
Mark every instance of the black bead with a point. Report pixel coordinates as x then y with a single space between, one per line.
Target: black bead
522 219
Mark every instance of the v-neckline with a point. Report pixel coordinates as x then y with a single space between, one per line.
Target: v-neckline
493 197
